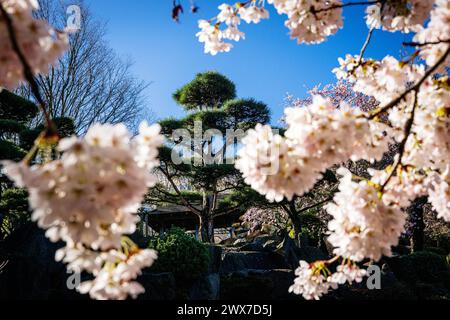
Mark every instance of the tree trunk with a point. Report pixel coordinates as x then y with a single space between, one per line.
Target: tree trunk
206 229
416 211
206 220
296 223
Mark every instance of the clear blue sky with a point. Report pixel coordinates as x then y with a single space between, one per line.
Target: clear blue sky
266 65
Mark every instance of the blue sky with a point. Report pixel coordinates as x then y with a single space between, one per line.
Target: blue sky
265 66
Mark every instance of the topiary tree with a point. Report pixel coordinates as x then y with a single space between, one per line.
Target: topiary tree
215 188
208 90
15 113
14 209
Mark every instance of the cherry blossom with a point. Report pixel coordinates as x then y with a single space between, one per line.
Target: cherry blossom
114 280
268 163
318 136
439 194
253 13
348 273
363 226
405 16
310 21
89 197
40 44
436 35
311 282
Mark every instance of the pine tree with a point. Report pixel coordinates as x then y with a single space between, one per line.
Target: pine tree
207 185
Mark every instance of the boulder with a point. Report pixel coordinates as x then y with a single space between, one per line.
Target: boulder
262 243
215 254
423 266
391 289
294 254
158 286
235 261
253 284
206 288
31 271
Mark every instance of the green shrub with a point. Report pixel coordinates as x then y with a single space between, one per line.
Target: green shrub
180 254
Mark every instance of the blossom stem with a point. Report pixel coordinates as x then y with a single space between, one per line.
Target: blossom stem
332 260
365 45
348 4
421 44
28 73
402 147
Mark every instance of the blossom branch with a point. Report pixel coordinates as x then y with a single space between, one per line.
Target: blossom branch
402 147
337 6
421 44
365 45
177 190
28 73
415 87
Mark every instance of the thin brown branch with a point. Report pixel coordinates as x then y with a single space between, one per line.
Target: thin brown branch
421 44
365 45
317 204
402 147
337 6
177 190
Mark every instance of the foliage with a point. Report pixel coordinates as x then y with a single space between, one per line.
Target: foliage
214 188
14 208
208 90
180 254
14 107
10 151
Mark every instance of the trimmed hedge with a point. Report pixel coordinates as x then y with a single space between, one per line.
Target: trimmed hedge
180 254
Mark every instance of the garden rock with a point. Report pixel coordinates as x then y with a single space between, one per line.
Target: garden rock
235 261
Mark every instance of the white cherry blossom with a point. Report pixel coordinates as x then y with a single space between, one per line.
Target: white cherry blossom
40 44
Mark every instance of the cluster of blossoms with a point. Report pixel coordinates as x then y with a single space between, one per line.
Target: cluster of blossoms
310 21
269 220
384 80
315 279
363 225
405 16
436 36
318 136
88 199
413 113
213 37
40 44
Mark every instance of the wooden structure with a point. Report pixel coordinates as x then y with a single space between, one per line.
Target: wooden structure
162 218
